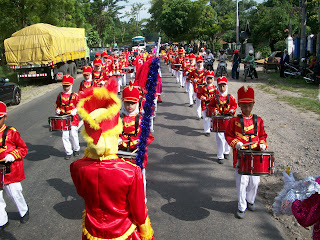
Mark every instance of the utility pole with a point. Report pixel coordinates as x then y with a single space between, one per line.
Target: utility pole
237 27
303 30
318 38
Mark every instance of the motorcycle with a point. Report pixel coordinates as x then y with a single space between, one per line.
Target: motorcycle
222 69
312 78
248 71
208 64
291 71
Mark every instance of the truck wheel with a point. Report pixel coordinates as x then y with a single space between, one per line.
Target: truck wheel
16 97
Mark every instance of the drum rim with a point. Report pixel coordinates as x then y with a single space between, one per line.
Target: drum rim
222 117
59 117
255 152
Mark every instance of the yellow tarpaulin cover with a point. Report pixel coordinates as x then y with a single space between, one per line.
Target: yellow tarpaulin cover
43 43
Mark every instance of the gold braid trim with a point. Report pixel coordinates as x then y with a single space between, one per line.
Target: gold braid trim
145 230
89 236
234 142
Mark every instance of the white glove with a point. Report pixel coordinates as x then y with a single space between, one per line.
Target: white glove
204 98
102 82
74 112
232 111
288 178
216 112
239 145
195 80
263 147
58 111
9 158
120 141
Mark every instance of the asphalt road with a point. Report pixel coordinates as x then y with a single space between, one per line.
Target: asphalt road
190 195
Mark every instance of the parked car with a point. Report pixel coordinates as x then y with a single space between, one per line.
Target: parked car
10 93
274 57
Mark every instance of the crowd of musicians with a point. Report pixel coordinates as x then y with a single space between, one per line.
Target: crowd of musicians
112 104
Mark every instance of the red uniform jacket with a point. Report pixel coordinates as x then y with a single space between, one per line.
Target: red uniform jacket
66 104
114 198
207 92
222 106
97 76
186 68
86 84
15 146
129 130
179 61
200 76
307 212
234 134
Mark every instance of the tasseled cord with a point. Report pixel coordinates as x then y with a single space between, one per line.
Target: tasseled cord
148 109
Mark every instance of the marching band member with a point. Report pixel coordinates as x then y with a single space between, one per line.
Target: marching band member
199 79
117 72
97 71
206 93
67 105
222 104
97 56
185 69
179 73
13 151
112 188
246 131
189 80
132 124
88 81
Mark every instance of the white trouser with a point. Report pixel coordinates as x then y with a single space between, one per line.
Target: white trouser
173 72
14 191
222 145
190 92
186 83
124 79
160 73
198 107
73 136
247 187
144 177
206 122
170 69
119 80
180 77
151 124
155 105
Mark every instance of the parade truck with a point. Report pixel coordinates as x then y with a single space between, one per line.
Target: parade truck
46 51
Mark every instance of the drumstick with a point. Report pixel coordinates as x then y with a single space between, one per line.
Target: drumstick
135 150
246 144
2 160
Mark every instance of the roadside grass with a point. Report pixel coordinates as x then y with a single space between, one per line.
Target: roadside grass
307 94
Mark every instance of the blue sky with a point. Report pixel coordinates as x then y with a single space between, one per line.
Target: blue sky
144 13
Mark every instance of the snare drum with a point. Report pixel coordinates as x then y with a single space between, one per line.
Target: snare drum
177 66
220 122
59 123
253 162
2 173
128 156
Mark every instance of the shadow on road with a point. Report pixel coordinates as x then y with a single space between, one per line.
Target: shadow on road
42 152
187 199
7 236
70 209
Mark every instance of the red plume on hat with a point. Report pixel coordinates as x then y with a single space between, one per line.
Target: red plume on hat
246 95
97 62
3 109
86 70
99 108
142 74
209 73
199 59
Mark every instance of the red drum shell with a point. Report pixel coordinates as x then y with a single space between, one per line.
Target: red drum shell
60 123
253 162
220 122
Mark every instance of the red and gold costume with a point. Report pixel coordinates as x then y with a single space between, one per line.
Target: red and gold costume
15 146
66 102
112 188
206 93
234 132
223 105
84 84
97 74
199 76
132 124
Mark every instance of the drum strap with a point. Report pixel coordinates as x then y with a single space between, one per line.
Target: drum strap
65 105
94 76
82 83
210 94
255 122
4 136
